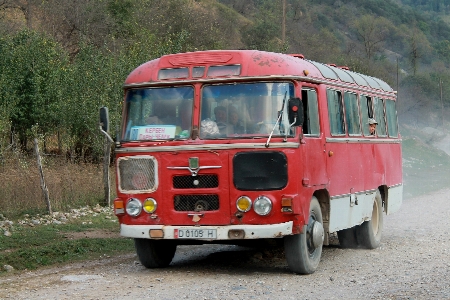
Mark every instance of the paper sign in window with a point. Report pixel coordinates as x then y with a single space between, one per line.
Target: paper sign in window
153 132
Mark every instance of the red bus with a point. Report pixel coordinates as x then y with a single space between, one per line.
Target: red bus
234 146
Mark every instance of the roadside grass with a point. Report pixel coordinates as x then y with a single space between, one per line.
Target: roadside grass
425 168
82 235
69 185
29 248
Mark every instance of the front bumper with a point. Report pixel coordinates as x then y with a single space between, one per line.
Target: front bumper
251 231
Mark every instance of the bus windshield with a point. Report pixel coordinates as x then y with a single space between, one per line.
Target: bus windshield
244 109
158 113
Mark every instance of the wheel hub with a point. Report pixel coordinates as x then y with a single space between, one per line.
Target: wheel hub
317 234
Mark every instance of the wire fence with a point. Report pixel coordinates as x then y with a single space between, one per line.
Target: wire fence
71 182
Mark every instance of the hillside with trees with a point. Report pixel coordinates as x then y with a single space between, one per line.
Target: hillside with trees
61 60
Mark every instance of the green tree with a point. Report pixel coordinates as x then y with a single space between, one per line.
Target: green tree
29 94
372 32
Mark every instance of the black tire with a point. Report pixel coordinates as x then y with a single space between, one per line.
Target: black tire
347 238
369 233
155 254
302 254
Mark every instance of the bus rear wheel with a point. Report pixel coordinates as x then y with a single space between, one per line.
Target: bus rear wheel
303 251
155 254
369 233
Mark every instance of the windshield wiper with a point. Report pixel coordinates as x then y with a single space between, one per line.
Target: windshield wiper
280 113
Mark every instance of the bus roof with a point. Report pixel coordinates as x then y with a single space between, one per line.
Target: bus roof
244 63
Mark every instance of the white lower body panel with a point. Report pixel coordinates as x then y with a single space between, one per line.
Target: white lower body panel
353 209
394 198
349 210
251 231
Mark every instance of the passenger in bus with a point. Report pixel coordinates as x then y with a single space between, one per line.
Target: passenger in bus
372 126
233 118
220 113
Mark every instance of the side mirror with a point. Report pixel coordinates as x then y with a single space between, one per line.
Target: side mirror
295 112
104 119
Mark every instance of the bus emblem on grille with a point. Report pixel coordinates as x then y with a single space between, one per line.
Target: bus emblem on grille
194 166
193 163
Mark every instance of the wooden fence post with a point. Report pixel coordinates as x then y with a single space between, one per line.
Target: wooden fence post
41 174
106 179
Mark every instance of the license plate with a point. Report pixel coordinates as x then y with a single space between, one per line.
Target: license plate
195 234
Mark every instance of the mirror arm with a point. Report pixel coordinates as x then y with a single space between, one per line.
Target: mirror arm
106 134
290 126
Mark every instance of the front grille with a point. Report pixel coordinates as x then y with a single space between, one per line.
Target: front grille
196 202
195 182
137 174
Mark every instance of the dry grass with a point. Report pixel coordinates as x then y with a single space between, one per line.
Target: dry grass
69 184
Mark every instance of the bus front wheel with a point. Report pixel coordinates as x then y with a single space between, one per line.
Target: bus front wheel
368 233
155 254
303 251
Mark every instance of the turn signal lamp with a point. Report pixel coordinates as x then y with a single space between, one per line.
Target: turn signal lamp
150 205
286 204
118 207
243 204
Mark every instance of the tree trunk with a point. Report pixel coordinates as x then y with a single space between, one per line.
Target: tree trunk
41 174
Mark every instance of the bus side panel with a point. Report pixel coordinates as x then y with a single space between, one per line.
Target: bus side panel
356 171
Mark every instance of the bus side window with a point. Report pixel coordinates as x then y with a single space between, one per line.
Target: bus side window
352 114
311 112
379 116
335 112
365 104
391 116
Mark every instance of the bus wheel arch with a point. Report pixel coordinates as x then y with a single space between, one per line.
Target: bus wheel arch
384 192
324 200
303 251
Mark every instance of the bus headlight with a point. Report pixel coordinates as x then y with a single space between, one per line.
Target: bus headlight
134 207
150 205
262 205
244 204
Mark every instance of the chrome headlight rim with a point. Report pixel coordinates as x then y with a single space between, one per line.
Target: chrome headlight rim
155 205
262 205
133 207
249 203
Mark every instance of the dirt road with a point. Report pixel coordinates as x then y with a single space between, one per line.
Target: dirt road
412 263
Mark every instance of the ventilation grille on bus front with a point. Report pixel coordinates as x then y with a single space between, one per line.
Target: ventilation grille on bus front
137 174
196 202
195 182
255 171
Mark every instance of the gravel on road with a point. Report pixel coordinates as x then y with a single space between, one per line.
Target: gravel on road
413 262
